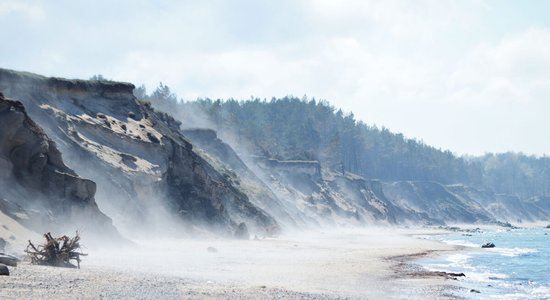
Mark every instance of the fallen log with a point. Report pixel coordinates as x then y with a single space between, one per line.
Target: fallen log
58 252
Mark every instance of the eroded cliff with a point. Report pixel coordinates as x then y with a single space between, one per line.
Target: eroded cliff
36 187
148 176
152 177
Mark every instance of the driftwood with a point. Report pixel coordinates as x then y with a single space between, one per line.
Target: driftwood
56 251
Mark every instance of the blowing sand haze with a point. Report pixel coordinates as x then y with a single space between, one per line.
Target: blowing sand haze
362 264
297 149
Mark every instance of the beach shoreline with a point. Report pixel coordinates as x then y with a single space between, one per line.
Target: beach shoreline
355 264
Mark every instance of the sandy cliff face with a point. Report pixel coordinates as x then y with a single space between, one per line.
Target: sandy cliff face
230 165
292 191
147 173
36 187
506 208
301 194
436 201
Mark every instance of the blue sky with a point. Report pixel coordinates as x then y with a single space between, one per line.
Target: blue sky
468 76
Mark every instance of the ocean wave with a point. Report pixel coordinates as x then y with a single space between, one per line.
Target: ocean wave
540 290
458 258
527 292
456 261
513 251
460 243
485 276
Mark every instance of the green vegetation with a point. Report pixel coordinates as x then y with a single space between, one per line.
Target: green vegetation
293 128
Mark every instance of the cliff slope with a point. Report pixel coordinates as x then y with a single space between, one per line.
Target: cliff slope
153 177
147 173
36 187
303 194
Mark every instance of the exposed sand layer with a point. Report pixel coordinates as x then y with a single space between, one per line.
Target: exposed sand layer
320 265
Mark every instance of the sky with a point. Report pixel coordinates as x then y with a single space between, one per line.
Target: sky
469 76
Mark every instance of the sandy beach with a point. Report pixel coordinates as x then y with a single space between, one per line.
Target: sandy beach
372 263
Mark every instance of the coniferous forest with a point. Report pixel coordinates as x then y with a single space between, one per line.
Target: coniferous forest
292 128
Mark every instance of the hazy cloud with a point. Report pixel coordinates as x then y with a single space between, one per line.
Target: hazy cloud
516 69
469 76
32 11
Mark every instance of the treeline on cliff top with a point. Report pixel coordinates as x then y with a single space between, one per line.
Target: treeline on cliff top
291 128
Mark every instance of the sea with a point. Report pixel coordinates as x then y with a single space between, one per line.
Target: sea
517 268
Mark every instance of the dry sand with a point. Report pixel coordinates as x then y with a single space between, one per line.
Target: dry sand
368 263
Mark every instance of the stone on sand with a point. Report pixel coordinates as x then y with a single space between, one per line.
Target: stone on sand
4 270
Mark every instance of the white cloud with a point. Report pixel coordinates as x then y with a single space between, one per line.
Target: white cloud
409 19
341 70
31 11
424 68
516 69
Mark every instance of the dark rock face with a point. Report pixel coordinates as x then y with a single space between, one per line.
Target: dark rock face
32 168
222 157
146 172
488 245
202 193
449 275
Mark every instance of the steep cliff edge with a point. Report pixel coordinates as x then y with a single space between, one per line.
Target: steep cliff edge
436 201
152 177
508 208
148 175
303 194
313 195
292 191
230 164
36 187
